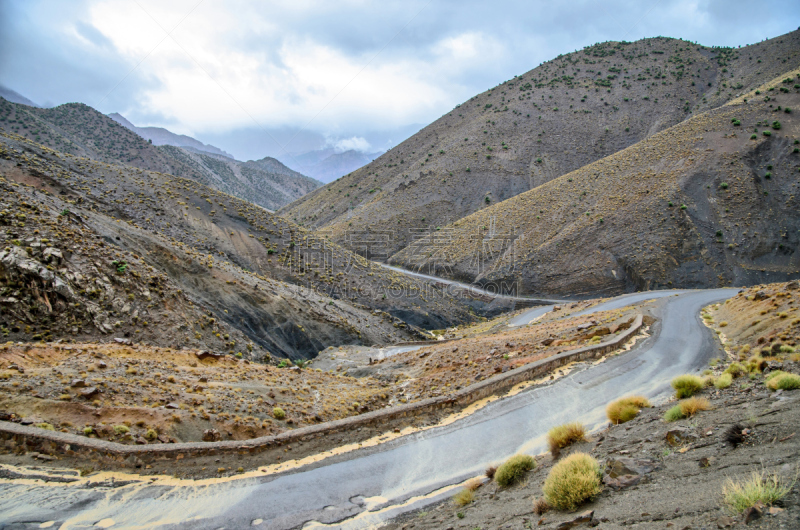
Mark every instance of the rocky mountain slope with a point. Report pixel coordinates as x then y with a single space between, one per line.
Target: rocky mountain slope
133 251
707 202
556 118
80 130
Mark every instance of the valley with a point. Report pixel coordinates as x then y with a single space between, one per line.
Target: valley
194 341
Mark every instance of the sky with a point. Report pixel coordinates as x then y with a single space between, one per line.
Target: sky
259 78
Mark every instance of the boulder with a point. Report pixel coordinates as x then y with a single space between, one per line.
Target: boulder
583 517
680 436
90 392
211 435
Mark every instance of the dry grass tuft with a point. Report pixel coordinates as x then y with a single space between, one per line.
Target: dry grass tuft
490 471
723 381
690 407
540 506
513 469
783 381
572 481
687 385
463 497
625 409
739 496
564 435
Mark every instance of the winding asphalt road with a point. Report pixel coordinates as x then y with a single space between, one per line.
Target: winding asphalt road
362 488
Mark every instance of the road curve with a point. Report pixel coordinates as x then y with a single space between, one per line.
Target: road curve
334 491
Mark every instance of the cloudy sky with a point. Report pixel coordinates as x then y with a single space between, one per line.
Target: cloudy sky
260 77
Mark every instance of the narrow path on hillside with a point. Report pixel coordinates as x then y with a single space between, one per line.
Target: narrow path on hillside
472 288
362 488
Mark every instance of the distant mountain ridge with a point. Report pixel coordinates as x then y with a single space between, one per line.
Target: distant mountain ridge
80 130
15 97
328 164
162 136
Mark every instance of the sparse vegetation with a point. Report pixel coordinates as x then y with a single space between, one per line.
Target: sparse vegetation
687 385
626 408
563 435
513 469
572 481
767 489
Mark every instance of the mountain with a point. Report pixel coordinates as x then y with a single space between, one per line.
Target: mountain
327 164
96 250
15 97
80 130
712 201
563 115
161 136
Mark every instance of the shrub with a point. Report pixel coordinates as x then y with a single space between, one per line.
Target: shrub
46 426
121 429
693 405
463 497
540 506
674 414
739 496
767 133
776 125
563 435
626 408
513 469
784 382
490 471
278 413
735 369
572 481
687 385
151 434
723 381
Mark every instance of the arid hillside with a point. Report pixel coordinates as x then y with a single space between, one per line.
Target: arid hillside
121 238
709 202
556 118
80 130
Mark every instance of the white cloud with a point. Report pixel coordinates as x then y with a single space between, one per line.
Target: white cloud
355 143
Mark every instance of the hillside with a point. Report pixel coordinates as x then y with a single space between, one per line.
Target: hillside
556 118
709 202
162 136
80 130
283 291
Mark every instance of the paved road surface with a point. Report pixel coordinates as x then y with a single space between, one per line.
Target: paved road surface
415 465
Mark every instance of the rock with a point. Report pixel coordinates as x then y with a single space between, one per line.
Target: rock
102 364
140 440
760 295
90 391
793 285
680 436
120 340
203 379
622 481
172 406
547 342
163 438
725 522
46 458
618 467
78 383
584 517
51 253
706 461
211 435
774 510
753 513
203 354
